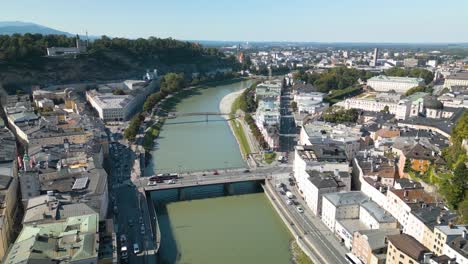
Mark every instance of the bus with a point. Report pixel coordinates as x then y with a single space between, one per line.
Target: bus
352 259
162 177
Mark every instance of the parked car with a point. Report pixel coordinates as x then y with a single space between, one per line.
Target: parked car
142 229
130 222
282 193
279 185
123 252
289 202
246 171
123 238
215 172
290 195
136 248
299 209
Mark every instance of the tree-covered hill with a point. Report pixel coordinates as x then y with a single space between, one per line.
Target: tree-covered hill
23 61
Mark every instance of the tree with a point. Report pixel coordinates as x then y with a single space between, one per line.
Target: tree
172 82
428 76
294 106
118 91
337 114
386 109
407 167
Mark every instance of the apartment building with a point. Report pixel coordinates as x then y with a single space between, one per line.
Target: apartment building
404 249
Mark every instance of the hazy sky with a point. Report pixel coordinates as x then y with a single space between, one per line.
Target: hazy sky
254 20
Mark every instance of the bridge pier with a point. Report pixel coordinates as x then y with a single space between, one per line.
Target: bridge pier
181 194
228 189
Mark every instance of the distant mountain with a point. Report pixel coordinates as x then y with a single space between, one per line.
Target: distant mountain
12 27
19 27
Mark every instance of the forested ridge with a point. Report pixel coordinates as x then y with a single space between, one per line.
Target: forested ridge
23 61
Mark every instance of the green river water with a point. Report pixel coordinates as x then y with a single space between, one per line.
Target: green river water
226 229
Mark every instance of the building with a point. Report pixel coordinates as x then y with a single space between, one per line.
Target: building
410 62
456 79
400 203
418 156
400 85
339 206
370 246
401 107
73 240
457 248
376 56
313 186
110 107
422 221
80 47
8 189
404 249
268 113
326 133
443 234
318 157
348 220
50 208
454 99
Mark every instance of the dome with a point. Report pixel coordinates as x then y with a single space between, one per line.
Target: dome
432 103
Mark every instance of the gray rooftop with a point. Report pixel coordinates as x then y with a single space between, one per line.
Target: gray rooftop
346 198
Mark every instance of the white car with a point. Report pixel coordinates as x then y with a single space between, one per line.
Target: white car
136 249
152 183
171 182
289 202
299 209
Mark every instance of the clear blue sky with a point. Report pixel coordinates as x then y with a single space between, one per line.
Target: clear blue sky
254 20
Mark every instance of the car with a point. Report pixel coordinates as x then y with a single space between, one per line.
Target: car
282 193
299 209
136 248
279 185
204 174
140 220
289 202
123 252
215 172
142 229
152 183
171 182
246 171
291 183
123 238
130 222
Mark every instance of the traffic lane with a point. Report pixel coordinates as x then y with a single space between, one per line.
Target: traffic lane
128 220
322 232
310 231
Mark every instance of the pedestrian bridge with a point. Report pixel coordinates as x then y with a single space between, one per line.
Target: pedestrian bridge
176 114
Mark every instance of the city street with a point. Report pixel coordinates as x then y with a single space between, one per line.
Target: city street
315 231
288 128
129 208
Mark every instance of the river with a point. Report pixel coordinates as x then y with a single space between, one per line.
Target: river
226 229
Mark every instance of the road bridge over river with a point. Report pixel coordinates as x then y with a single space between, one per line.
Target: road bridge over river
201 178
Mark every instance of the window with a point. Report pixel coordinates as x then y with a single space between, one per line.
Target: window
401 256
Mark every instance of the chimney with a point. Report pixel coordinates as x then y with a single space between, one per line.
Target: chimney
405 193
